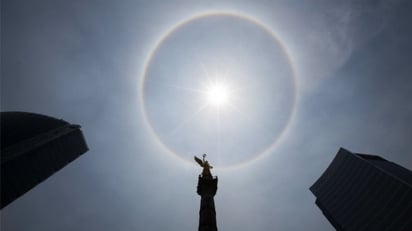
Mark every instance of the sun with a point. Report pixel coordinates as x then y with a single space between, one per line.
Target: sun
217 94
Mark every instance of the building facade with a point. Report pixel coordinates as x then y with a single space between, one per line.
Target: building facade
365 192
33 147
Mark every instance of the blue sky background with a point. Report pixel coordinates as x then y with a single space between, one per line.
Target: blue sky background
82 61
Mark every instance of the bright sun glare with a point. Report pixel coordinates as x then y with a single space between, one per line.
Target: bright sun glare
218 95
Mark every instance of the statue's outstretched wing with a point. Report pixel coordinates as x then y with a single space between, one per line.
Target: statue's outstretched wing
199 161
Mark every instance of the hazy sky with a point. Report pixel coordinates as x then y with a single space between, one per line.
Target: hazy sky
306 77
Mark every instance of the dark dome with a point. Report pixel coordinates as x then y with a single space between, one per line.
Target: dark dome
18 126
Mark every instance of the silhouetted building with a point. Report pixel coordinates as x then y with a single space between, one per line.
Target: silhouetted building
365 192
33 147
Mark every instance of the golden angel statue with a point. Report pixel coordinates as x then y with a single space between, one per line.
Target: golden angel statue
206 167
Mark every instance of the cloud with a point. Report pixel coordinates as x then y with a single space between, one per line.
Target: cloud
326 35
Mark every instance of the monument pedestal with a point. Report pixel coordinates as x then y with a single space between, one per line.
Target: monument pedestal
206 188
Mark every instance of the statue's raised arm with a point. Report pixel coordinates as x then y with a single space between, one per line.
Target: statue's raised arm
205 164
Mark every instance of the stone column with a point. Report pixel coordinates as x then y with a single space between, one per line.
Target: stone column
206 188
